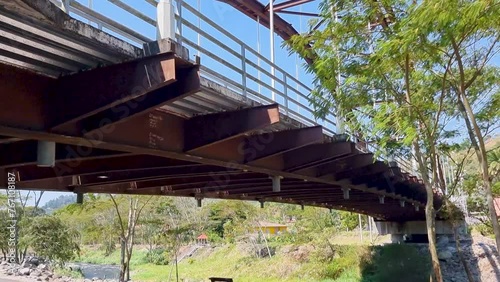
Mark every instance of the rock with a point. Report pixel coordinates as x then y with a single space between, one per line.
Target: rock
35 273
445 255
451 249
25 271
42 267
74 267
442 240
34 261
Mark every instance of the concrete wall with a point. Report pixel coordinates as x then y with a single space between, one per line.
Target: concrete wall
416 227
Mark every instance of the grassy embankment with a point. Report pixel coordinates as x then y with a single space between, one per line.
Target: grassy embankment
353 263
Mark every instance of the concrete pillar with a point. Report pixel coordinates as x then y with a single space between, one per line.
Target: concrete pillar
79 198
416 230
165 20
46 154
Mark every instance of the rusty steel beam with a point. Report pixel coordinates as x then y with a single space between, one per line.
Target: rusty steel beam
130 175
95 166
84 94
8 140
287 4
187 83
165 135
365 171
290 190
352 162
24 152
254 9
266 187
299 13
23 95
280 142
316 154
203 180
221 184
139 143
206 130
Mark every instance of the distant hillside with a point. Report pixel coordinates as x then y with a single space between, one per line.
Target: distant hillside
492 142
59 202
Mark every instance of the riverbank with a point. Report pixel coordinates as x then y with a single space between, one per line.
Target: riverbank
293 263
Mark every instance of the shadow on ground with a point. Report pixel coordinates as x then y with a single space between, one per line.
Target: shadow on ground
411 262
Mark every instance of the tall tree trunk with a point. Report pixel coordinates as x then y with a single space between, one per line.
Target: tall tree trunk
430 215
122 260
478 144
470 277
475 132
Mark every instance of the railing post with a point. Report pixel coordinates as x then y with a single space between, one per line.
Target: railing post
271 31
285 91
179 21
165 20
243 70
65 6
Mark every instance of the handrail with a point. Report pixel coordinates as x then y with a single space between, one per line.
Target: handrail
240 78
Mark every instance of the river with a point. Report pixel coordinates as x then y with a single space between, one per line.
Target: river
101 271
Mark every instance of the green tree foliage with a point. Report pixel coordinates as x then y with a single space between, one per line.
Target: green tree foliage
58 202
95 221
387 70
4 232
51 239
227 218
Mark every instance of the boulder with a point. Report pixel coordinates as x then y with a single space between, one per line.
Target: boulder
42 267
25 271
74 267
35 273
445 255
442 240
34 261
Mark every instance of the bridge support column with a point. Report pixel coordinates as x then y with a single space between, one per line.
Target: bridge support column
416 231
79 198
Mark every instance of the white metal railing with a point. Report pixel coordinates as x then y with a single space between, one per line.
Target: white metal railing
226 60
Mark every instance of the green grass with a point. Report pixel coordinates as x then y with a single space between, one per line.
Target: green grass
394 263
352 263
92 255
228 261
68 273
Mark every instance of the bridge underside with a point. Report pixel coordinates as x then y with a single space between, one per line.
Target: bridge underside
151 125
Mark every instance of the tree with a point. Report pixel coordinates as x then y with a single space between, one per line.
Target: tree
388 91
127 228
464 37
228 218
51 239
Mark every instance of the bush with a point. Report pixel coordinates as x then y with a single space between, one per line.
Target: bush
395 262
484 229
51 239
343 259
108 247
157 256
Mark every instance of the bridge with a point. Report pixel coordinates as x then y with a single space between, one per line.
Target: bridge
90 105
